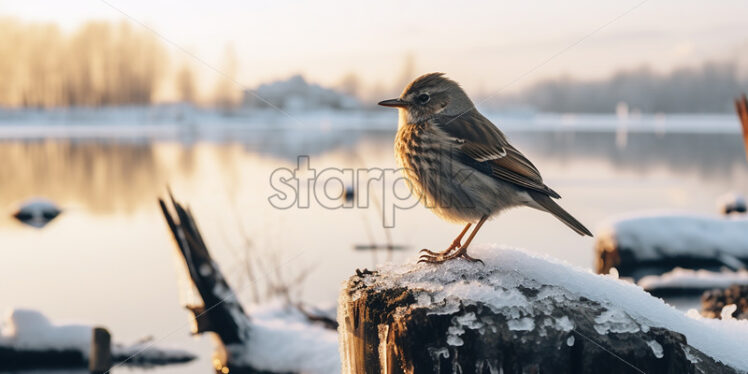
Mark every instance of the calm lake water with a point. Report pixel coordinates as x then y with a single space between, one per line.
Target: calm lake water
109 258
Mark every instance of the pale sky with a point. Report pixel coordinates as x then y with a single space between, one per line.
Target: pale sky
485 46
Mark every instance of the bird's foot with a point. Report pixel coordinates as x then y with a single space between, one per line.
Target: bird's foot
439 258
455 245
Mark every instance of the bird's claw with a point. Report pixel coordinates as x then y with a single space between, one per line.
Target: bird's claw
430 259
426 251
472 259
444 253
438 259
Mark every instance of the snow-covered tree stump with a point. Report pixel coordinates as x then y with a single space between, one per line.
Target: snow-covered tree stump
521 314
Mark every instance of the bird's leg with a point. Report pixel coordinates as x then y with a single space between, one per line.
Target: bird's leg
461 252
455 244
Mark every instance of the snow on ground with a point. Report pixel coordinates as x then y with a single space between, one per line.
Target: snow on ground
283 340
629 308
694 279
30 330
653 236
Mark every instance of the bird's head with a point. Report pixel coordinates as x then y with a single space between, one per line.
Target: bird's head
428 95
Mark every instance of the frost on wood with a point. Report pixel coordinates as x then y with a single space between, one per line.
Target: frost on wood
521 313
640 245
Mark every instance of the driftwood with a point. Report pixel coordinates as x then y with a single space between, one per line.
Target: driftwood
393 326
222 314
712 302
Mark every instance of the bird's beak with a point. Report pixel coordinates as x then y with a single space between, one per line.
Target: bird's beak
396 103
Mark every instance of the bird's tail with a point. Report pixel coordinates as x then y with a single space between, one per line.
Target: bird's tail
547 204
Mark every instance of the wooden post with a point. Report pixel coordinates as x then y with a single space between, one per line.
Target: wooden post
100 359
401 321
741 106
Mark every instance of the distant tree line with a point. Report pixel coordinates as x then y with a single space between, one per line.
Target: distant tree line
99 64
710 88
104 63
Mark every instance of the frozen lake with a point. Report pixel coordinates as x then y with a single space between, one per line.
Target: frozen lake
109 258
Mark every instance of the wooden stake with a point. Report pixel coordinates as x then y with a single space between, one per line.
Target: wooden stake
100 360
741 106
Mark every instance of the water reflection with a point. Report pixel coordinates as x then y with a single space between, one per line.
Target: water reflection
707 155
111 176
112 242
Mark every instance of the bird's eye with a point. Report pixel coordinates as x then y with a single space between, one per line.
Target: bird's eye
423 98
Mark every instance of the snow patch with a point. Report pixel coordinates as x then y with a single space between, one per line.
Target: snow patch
727 311
522 324
458 326
690 356
564 324
615 320
283 340
570 341
656 348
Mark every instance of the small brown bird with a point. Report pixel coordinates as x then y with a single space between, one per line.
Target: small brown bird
460 165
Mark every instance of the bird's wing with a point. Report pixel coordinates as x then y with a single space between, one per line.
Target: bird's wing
487 150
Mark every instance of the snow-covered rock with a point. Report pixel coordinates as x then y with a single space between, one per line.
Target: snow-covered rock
523 312
29 339
26 329
644 244
37 212
688 281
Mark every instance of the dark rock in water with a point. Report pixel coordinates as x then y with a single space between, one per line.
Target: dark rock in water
37 212
732 203
712 302
511 316
349 194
